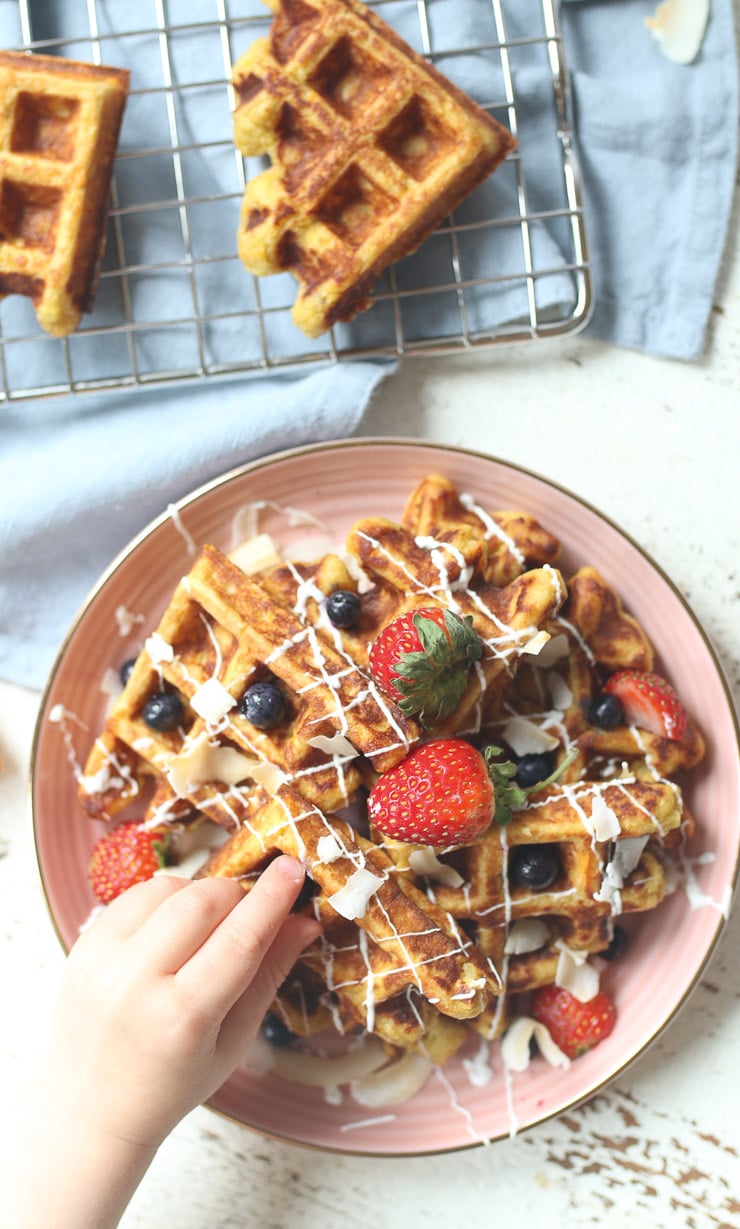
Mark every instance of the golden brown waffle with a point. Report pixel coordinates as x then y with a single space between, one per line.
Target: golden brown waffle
58 136
597 637
371 148
222 631
513 541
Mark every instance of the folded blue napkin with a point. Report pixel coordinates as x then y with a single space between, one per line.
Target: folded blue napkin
79 476
658 153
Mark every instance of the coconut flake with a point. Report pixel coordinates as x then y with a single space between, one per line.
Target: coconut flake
526 738
351 901
515 1049
158 649
212 701
627 854
528 934
536 644
336 745
576 975
202 760
328 848
256 554
560 693
303 1067
126 620
394 1083
556 648
424 861
678 27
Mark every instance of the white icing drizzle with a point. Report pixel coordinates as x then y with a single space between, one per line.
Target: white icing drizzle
361 1123
190 543
492 527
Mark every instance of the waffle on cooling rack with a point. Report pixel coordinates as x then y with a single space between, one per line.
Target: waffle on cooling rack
60 125
371 148
420 947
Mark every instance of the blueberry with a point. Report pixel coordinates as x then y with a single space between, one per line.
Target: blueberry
531 769
605 711
124 670
535 866
343 608
275 1031
618 946
263 704
163 711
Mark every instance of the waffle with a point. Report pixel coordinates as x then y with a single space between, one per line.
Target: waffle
222 632
60 125
371 148
512 540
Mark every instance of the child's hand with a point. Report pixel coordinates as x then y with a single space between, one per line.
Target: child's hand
162 995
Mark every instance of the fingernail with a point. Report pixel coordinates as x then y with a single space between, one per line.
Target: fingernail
291 868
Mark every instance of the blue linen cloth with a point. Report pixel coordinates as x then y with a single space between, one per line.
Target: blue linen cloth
80 476
658 152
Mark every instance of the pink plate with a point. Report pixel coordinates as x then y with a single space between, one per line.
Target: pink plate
338 483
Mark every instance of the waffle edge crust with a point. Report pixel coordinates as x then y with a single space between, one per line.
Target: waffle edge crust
59 126
371 148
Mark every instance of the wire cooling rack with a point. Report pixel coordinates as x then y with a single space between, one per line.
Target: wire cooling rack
175 303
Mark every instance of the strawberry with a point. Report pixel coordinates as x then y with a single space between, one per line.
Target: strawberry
127 855
441 794
575 1027
422 660
649 702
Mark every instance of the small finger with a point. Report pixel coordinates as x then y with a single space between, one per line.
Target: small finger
219 972
128 912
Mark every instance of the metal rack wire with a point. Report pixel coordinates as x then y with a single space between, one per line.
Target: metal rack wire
174 302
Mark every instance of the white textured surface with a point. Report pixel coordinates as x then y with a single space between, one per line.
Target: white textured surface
654 445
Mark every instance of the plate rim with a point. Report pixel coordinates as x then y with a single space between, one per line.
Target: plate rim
431 446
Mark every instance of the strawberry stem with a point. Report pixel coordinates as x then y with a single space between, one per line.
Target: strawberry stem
508 794
432 680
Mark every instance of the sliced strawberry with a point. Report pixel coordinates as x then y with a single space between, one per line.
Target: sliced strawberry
575 1027
127 855
441 794
649 702
422 660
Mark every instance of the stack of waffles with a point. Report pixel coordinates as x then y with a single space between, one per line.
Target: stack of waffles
59 128
419 947
371 148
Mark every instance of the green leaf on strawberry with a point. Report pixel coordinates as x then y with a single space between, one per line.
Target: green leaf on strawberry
423 658
510 796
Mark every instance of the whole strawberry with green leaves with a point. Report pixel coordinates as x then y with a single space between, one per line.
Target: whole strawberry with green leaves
422 660
127 855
